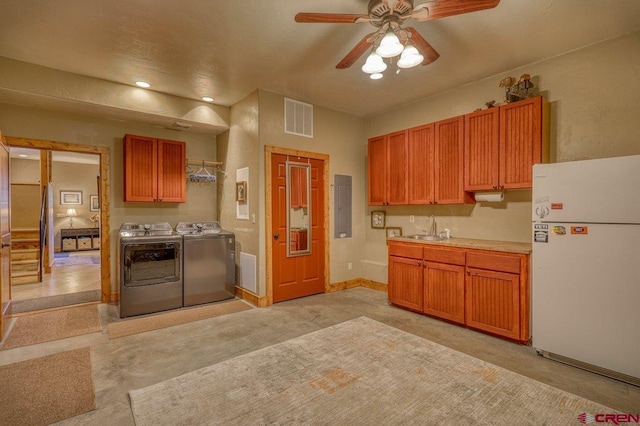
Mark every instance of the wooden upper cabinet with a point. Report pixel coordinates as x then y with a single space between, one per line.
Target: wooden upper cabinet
154 170
449 162
377 170
522 126
421 165
387 171
502 145
481 150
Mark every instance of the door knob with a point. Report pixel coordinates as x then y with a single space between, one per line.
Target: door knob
276 236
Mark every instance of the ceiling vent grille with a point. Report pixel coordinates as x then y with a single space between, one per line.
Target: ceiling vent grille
177 125
298 118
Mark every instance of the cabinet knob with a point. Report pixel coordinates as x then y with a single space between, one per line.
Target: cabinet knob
494 186
468 272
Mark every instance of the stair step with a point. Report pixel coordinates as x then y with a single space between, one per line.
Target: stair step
28 266
19 233
25 254
24 278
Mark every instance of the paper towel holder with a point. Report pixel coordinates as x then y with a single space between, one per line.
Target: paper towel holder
490 197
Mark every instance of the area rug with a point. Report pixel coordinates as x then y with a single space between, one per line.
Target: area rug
45 390
360 372
84 258
33 328
168 319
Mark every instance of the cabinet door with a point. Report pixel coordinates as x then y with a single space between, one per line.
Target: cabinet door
520 142
449 165
140 168
397 153
444 291
421 165
493 302
405 283
172 180
481 143
377 170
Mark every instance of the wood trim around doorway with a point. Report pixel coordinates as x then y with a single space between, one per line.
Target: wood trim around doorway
105 185
269 150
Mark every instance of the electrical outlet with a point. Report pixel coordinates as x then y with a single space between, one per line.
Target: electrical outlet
350 266
412 218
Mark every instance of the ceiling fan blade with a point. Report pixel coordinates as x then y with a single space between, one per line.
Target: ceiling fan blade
362 46
327 18
442 8
425 49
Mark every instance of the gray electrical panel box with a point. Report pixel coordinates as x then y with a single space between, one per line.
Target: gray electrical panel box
342 207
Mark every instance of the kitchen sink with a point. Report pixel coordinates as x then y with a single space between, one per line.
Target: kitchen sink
423 237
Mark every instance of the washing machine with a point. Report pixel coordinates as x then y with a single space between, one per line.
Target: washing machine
208 259
150 268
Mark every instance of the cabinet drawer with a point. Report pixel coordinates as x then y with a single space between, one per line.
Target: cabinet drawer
452 257
494 262
412 251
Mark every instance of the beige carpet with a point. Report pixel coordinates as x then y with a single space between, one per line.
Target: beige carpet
45 390
360 372
30 329
168 319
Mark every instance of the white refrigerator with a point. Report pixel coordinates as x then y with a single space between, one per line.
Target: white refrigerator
586 264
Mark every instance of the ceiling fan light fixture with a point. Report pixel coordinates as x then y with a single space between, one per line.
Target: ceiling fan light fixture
374 64
410 57
376 76
390 46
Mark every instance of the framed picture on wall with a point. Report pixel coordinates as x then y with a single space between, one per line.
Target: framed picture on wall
394 231
377 219
241 191
71 197
94 205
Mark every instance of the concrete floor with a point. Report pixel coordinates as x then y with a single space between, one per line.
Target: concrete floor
132 362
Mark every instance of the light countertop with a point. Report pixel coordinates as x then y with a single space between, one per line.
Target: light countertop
505 246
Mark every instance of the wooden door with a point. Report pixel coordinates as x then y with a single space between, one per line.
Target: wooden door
172 180
481 144
140 168
520 142
493 302
421 165
377 171
444 291
405 283
301 275
5 234
449 165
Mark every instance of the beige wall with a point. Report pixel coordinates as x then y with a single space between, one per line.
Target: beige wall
342 137
239 148
593 94
42 124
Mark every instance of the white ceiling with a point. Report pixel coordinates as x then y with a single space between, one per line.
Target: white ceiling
227 49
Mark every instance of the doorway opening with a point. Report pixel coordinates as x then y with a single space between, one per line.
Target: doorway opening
71 230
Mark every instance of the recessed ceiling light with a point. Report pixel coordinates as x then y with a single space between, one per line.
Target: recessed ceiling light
143 84
207 98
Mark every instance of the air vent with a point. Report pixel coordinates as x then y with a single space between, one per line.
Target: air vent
179 126
298 118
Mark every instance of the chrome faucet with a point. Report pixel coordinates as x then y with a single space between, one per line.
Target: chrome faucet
433 231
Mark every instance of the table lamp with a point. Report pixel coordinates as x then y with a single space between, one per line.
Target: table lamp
70 214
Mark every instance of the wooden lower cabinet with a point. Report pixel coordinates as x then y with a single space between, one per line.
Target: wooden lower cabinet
444 291
405 283
493 302
484 290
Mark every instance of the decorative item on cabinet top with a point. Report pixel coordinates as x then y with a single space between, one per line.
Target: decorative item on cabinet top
203 174
518 90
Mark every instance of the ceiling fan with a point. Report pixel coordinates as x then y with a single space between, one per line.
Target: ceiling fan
389 16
